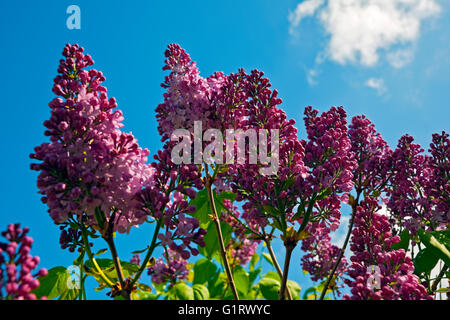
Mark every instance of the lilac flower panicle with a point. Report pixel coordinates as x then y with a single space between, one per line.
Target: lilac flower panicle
17 264
89 162
371 246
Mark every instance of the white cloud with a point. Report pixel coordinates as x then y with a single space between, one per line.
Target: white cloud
401 57
361 30
311 77
377 84
304 9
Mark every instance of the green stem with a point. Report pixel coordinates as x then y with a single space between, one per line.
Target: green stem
115 257
344 246
216 222
438 279
81 294
92 259
149 252
287 259
276 264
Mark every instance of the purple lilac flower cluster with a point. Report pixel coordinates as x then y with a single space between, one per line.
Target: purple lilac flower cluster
89 162
321 255
371 246
171 268
17 263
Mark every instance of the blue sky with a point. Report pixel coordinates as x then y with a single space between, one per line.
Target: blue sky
376 66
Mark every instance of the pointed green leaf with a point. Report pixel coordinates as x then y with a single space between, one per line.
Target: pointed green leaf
204 271
436 247
425 261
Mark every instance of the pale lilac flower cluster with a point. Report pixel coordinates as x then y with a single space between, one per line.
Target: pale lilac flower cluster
371 245
17 263
89 161
171 268
187 96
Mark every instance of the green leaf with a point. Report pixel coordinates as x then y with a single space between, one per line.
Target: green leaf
270 210
181 291
241 280
254 261
268 258
204 271
310 294
294 289
79 260
139 251
200 292
252 275
101 251
217 287
142 295
443 290
54 284
269 288
443 236
438 249
72 294
404 241
425 261
212 241
273 275
203 209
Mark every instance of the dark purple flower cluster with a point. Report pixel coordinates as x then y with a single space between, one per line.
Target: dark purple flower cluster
330 162
372 154
377 271
417 193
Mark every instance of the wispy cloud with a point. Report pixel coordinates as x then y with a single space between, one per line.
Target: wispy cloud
377 84
311 77
360 31
305 9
